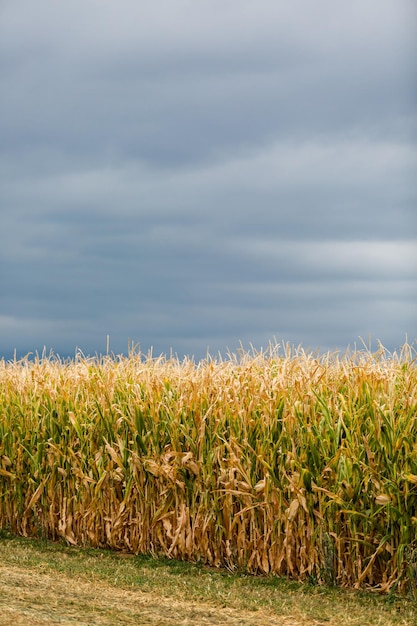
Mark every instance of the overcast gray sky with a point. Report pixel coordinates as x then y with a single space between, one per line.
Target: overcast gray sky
191 174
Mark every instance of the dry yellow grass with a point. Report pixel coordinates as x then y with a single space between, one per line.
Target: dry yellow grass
294 463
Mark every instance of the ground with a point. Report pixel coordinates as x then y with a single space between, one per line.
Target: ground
42 583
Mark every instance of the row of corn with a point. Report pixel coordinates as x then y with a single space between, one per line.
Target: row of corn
282 461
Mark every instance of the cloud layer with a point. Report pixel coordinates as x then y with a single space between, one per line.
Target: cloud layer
190 175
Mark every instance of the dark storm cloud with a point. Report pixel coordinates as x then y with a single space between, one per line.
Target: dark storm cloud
171 87
193 174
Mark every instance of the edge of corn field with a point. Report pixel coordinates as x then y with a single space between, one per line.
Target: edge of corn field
46 583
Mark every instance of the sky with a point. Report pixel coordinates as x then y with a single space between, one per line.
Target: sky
196 176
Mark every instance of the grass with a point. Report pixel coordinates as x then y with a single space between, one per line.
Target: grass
45 582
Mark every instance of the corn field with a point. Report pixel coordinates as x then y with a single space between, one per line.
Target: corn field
280 461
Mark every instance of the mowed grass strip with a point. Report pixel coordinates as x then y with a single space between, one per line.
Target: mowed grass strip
288 463
48 583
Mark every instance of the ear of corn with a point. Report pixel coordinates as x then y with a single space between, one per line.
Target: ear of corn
294 463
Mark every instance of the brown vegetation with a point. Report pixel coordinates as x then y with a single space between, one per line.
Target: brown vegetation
294 464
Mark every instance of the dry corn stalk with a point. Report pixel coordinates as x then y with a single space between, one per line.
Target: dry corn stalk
288 463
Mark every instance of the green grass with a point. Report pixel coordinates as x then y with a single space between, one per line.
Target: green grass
75 579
